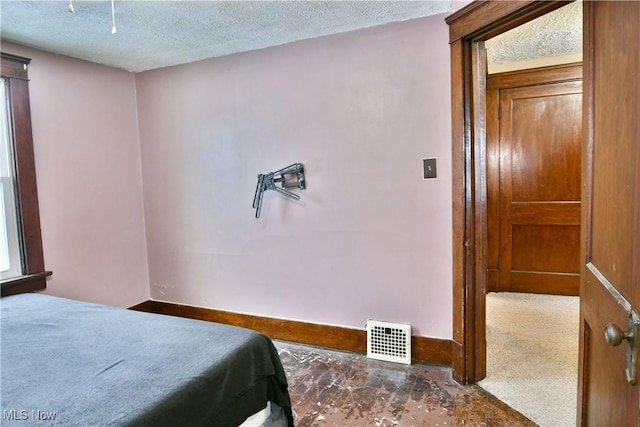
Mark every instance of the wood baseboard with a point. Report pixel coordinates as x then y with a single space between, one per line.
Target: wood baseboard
143 306
424 349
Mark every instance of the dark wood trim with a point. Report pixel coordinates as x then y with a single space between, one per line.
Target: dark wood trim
30 232
431 350
588 114
535 76
493 187
14 66
564 283
28 207
460 127
468 28
143 306
424 349
22 284
479 200
484 19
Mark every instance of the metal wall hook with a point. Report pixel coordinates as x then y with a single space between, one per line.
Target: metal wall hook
283 176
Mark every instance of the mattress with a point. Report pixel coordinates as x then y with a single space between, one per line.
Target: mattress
74 363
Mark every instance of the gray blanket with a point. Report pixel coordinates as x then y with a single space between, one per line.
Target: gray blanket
71 363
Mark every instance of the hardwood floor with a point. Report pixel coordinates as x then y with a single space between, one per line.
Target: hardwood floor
333 388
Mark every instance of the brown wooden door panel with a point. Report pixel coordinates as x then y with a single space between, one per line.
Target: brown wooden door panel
608 393
610 254
539 198
558 213
545 248
545 132
532 282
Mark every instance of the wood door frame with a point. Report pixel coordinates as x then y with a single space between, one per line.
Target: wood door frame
468 29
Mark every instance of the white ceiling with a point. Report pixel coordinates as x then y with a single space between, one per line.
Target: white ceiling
558 33
153 34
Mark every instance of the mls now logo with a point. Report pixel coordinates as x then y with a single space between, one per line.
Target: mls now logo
43 415
15 415
23 414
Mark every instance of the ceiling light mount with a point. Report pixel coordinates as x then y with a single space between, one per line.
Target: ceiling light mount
114 30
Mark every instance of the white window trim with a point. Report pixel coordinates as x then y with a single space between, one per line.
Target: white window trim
10 259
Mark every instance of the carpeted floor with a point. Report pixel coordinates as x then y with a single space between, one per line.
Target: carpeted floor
532 355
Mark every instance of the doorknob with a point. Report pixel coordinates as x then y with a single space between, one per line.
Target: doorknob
614 335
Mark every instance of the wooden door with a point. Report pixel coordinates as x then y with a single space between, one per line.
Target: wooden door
610 276
539 190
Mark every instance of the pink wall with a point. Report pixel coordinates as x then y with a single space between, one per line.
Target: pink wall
87 156
370 238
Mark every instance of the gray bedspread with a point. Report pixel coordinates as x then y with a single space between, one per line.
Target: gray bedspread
70 363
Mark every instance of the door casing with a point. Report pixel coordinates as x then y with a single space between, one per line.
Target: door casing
468 29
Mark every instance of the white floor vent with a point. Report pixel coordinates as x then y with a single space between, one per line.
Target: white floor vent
389 341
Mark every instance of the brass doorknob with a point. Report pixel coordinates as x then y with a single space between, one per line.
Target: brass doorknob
614 335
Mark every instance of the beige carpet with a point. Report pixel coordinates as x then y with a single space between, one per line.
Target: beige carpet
532 355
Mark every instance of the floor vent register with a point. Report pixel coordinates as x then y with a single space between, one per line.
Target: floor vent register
389 341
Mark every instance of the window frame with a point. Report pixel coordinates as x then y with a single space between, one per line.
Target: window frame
33 278
11 252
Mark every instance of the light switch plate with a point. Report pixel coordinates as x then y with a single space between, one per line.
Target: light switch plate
429 168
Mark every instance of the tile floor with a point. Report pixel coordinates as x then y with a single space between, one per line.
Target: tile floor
333 388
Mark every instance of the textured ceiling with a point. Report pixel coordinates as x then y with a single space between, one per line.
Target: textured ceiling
555 34
153 34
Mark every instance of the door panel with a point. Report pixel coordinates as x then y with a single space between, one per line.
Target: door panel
547 248
540 167
608 391
545 141
610 285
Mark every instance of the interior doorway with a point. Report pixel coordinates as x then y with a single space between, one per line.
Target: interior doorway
533 121
537 249
533 145
469 29
607 389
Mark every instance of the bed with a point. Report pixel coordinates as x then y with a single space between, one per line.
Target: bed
74 363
